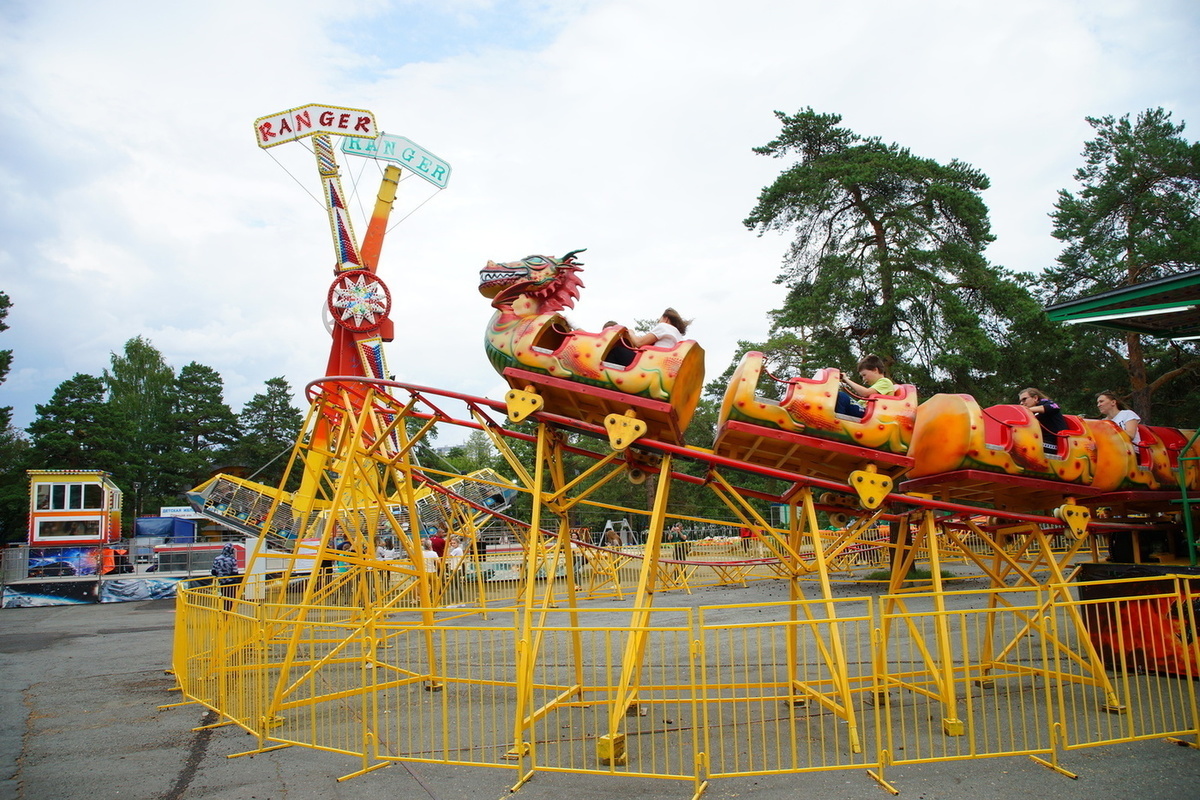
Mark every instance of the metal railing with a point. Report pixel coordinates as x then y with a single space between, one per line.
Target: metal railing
719 691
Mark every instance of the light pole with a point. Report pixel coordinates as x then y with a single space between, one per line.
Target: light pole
137 506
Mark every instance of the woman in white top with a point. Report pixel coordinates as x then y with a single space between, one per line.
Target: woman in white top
668 332
1114 410
455 556
429 556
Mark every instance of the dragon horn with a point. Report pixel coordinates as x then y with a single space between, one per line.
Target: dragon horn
571 255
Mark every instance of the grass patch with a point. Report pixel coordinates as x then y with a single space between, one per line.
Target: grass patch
914 574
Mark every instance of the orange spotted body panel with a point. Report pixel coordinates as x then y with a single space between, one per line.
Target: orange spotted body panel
953 432
807 407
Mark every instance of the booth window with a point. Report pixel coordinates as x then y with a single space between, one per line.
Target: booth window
66 529
70 497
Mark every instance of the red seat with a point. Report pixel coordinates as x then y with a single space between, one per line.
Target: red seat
1172 441
998 422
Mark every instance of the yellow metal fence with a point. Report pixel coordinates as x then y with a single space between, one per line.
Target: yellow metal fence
719 691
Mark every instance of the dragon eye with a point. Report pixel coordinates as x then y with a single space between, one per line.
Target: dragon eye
537 262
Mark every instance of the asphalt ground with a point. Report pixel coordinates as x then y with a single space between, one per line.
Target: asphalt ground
81 687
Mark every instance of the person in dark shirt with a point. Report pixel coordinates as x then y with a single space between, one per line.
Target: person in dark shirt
438 542
225 573
1046 410
224 566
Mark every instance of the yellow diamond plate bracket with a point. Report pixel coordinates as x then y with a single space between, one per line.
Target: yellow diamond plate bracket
1075 517
523 402
623 429
871 486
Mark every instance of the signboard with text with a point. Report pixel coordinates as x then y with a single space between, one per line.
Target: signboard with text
311 120
184 512
404 152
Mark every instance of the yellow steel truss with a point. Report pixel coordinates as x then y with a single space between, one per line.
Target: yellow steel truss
390 660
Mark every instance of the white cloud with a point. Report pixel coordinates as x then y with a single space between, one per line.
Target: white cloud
136 203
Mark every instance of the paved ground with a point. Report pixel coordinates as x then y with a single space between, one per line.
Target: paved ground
80 689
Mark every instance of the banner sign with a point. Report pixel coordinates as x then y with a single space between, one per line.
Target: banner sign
404 152
183 512
311 120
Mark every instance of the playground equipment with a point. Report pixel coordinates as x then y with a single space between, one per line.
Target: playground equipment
392 660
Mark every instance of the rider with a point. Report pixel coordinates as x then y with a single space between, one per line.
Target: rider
1046 410
873 370
1113 409
668 332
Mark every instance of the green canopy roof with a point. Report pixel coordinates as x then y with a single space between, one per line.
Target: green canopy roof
1167 307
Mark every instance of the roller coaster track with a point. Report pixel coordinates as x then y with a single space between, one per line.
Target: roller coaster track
428 404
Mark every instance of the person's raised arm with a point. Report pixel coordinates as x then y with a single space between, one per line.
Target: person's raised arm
642 339
854 386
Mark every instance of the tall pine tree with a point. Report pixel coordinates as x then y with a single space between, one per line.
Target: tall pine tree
79 429
887 258
1134 217
270 425
141 389
206 425
5 360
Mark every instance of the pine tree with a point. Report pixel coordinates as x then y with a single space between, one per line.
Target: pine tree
206 425
5 361
1135 217
79 429
887 258
270 425
15 458
141 389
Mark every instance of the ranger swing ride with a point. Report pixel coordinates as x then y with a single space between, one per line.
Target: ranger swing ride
496 658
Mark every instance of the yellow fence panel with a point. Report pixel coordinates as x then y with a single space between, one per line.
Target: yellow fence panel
786 687
965 683
579 719
697 693
1143 631
446 692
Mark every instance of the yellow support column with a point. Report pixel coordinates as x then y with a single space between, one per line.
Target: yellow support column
610 748
833 651
525 657
952 724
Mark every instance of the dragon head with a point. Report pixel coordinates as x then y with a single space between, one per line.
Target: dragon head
552 283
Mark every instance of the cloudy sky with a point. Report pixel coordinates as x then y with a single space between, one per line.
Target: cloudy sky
136 202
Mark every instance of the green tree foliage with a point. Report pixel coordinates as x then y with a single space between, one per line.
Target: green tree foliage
206 425
15 458
5 360
475 453
887 258
141 388
1134 217
79 429
270 424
